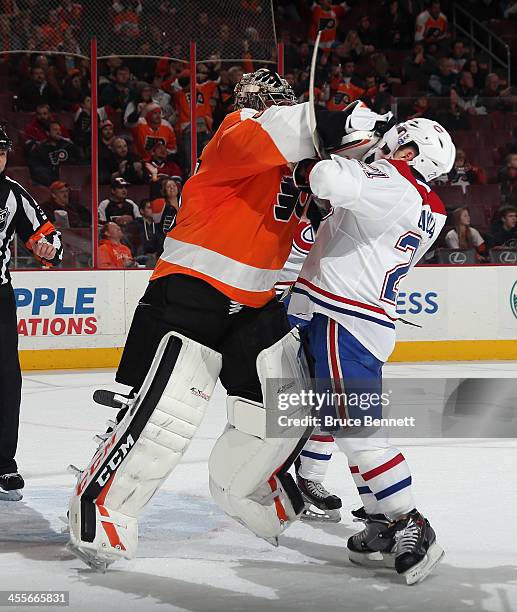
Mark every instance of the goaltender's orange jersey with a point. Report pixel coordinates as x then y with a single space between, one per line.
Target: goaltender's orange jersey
239 212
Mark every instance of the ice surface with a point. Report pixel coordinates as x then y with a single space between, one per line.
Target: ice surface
192 557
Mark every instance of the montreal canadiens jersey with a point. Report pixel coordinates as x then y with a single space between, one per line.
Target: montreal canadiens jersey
382 222
302 243
240 210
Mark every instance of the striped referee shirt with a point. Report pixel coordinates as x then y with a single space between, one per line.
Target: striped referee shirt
20 214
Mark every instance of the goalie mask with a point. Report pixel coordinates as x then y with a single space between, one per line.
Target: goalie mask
261 89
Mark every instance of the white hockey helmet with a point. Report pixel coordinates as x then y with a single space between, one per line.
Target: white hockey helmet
436 151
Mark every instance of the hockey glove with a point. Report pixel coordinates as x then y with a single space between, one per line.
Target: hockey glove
301 174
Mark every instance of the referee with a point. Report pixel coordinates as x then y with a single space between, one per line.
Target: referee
20 214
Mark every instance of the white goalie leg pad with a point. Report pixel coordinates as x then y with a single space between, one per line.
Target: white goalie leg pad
246 476
138 456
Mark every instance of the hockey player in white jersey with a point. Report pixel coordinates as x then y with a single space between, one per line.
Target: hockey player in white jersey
312 463
384 218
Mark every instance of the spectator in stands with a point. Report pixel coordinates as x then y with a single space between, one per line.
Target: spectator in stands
463 236
159 166
146 237
445 79
507 178
224 44
150 129
421 108
396 27
37 130
254 47
493 87
45 158
479 76
74 90
463 173
61 211
468 98
367 34
166 205
458 55
55 71
107 135
115 94
377 96
122 163
112 253
118 207
419 66
83 125
510 9
351 47
453 117
325 16
431 27
206 89
107 70
145 94
504 228
345 87
37 91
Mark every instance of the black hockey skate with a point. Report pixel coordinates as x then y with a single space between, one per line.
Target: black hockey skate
416 550
374 545
10 487
360 514
407 545
320 505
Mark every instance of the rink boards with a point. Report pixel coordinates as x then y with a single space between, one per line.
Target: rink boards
79 319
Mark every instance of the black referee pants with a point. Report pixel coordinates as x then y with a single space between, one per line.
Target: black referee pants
10 380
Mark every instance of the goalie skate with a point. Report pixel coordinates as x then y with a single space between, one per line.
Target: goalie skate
92 560
320 505
10 487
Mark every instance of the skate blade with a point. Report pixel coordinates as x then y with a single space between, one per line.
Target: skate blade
92 561
14 495
273 541
421 570
372 559
312 513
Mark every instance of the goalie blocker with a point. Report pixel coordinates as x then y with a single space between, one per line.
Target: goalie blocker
169 403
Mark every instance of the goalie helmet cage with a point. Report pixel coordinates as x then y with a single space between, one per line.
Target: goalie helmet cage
183 32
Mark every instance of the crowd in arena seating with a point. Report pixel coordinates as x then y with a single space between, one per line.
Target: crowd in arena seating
392 54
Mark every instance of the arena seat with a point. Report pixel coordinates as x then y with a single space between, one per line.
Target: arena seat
451 195
482 195
75 176
18 173
506 256
456 257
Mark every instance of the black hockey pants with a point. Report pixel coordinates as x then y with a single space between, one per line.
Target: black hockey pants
10 380
197 310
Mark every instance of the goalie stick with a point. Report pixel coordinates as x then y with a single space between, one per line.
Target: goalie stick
312 102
